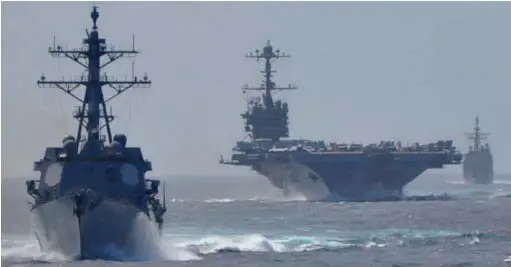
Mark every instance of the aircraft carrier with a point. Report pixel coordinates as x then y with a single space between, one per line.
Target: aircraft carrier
322 171
92 200
478 162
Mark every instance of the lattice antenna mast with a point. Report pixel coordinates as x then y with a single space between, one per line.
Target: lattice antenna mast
268 85
93 104
477 135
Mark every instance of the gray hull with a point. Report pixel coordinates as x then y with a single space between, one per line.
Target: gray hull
478 167
111 230
348 176
338 182
92 199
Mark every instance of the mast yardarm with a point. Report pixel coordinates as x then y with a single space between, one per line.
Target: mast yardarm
93 105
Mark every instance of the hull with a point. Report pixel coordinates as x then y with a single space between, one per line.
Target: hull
478 167
111 230
345 180
342 172
92 199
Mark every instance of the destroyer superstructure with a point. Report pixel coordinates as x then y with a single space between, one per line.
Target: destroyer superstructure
478 162
93 197
321 171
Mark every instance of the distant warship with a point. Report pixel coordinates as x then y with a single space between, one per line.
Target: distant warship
478 162
320 171
92 197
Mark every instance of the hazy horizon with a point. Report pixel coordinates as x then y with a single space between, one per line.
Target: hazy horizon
365 71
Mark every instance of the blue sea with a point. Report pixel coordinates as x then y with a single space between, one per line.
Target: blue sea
243 221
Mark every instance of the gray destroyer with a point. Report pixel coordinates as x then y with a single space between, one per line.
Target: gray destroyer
326 171
92 198
478 162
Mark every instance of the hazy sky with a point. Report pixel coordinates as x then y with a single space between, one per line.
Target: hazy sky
365 72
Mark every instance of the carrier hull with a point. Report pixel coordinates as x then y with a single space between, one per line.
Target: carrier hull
335 181
478 167
344 176
110 230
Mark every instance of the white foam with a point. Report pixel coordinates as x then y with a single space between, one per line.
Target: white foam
222 200
187 247
455 182
254 243
171 252
501 194
26 249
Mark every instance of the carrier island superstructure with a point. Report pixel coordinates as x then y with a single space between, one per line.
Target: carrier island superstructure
478 162
92 196
324 171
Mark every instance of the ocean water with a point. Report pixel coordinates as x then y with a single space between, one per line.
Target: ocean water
243 221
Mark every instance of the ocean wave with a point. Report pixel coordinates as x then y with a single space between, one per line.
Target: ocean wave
179 247
414 197
260 243
204 245
217 200
431 197
506 182
25 250
501 194
17 250
221 200
456 182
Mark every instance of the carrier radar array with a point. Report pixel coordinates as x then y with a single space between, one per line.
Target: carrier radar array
269 119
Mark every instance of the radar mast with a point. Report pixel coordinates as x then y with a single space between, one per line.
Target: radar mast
477 136
270 120
93 104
